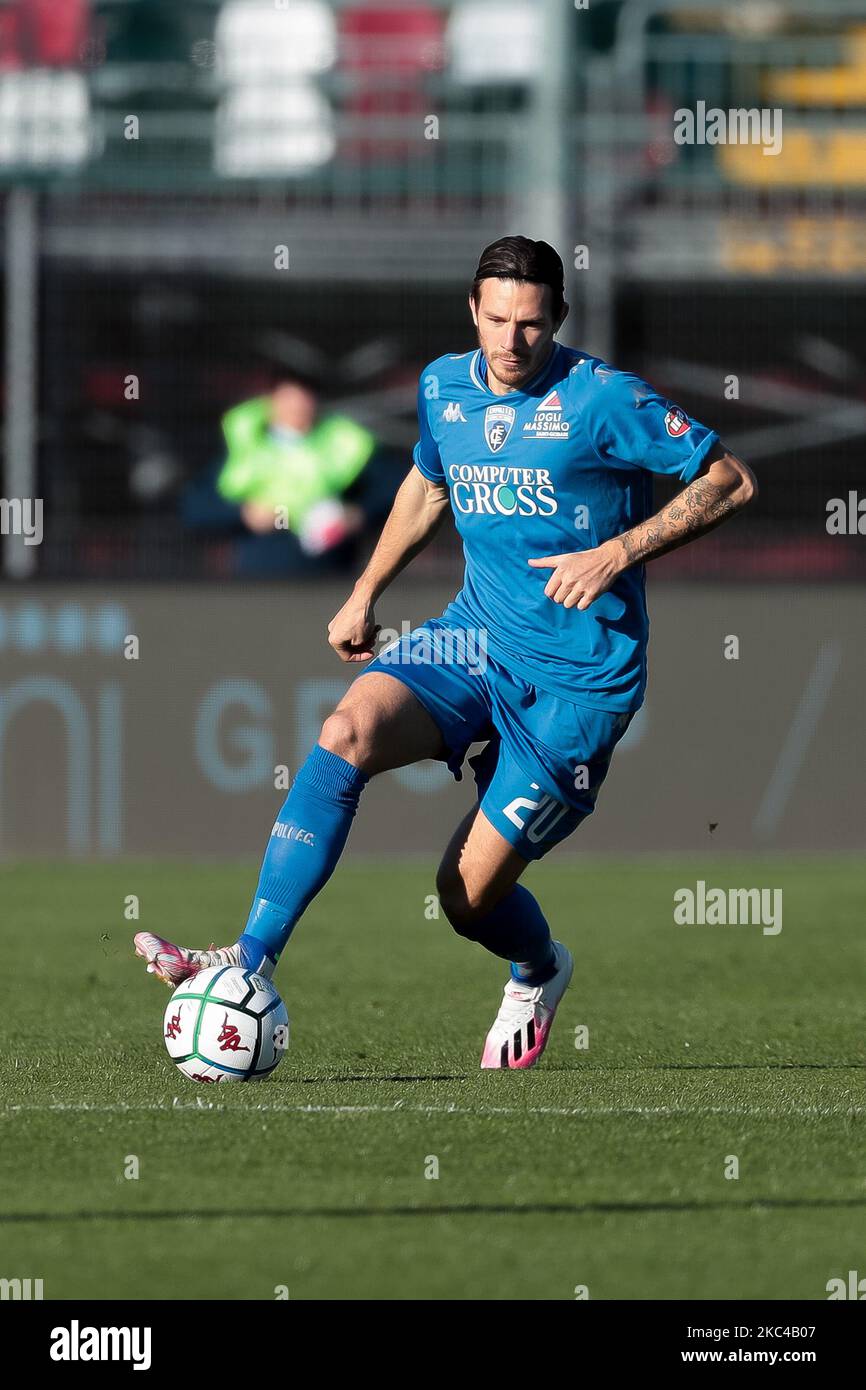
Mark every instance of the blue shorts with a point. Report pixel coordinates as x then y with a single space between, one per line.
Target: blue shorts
545 758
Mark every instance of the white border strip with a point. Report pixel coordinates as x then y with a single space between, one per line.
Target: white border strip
400 1107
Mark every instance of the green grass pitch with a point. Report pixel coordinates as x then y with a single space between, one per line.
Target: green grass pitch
604 1168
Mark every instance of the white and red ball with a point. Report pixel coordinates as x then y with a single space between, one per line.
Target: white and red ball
226 1024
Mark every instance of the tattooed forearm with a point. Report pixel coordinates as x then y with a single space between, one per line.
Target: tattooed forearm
700 507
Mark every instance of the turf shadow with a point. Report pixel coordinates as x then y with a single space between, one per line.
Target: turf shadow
473 1209
325 1080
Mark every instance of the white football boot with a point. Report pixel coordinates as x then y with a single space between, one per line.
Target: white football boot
173 964
522 1026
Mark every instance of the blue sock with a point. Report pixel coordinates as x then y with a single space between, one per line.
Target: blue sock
306 841
517 931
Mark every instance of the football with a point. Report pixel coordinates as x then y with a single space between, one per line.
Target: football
226 1024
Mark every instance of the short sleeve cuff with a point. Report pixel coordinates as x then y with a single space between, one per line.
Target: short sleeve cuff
433 475
692 467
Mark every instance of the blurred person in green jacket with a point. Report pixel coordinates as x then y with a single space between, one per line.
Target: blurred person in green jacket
297 487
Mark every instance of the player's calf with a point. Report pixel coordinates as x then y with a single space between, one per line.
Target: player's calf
382 726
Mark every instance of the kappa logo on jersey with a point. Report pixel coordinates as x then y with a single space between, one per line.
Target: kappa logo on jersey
498 422
677 422
453 413
547 422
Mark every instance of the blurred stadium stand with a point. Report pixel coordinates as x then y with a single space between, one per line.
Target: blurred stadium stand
154 154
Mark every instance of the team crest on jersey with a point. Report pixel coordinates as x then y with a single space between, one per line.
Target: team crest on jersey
498 421
547 422
677 422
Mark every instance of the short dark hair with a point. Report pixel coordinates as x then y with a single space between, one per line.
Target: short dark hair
519 258
281 375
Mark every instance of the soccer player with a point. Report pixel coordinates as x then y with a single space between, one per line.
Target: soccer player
545 455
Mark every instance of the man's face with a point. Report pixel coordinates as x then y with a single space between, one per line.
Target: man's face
293 406
516 328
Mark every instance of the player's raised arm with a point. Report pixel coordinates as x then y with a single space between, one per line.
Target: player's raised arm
722 488
413 521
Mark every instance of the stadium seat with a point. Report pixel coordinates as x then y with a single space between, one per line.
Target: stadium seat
387 58
260 41
43 34
272 119
491 42
268 131
44 119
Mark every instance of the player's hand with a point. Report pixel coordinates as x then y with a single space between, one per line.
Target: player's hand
353 630
578 579
259 517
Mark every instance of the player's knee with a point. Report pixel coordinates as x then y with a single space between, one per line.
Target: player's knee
344 733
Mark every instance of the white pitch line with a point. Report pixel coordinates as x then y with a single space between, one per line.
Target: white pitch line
792 755
399 1107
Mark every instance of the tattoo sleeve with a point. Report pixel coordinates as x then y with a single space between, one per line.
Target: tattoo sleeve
697 509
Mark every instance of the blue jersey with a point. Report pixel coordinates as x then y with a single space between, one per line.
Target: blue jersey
559 466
